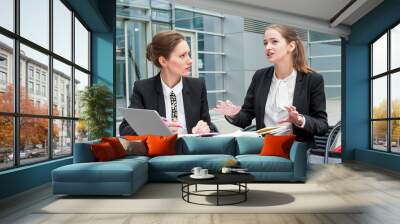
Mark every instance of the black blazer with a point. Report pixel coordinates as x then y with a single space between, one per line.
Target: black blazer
148 94
308 98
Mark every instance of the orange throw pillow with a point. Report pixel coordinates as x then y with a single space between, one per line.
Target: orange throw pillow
161 145
277 145
135 137
116 145
103 152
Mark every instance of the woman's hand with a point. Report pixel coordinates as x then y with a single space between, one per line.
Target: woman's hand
173 125
294 116
201 128
227 108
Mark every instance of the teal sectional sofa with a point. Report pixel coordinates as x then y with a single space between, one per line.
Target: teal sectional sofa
125 176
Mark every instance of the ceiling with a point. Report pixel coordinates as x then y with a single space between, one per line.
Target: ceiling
328 16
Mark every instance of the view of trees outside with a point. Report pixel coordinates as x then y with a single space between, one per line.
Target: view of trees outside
32 141
385 79
379 128
33 131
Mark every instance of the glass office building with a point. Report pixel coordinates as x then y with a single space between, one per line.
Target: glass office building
226 51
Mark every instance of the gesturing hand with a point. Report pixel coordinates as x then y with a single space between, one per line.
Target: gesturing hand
201 128
294 116
227 108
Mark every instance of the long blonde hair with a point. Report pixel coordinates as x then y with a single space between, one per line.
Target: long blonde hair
299 55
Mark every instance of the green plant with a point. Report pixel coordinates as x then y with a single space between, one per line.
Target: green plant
96 102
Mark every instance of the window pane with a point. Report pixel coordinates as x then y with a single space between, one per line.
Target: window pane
81 45
161 15
161 4
395 95
35 21
210 62
144 3
62 29
81 81
207 23
157 27
213 99
330 63
379 135
33 139
315 36
213 81
7 14
208 42
62 141
6 142
81 131
379 55
333 48
379 98
130 12
184 19
332 78
6 75
34 97
62 89
395 47
332 92
395 136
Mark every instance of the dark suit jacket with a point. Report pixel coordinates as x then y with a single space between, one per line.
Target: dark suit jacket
148 94
308 98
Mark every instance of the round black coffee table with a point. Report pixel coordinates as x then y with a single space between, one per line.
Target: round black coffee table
238 179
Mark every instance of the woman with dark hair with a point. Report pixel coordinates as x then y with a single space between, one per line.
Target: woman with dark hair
181 100
288 94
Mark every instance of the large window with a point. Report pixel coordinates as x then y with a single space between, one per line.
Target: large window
40 80
208 31
385 96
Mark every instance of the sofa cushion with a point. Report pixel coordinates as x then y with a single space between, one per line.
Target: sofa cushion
248 145
185 163
83 152
206 145
103 152
134 147
257 163
161 145
277 145
116 145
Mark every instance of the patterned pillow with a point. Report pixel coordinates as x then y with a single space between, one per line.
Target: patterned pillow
135 147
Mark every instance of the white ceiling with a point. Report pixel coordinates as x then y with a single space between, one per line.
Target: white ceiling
318 15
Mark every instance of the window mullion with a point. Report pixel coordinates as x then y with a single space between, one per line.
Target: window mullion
389 138
16 84
50 81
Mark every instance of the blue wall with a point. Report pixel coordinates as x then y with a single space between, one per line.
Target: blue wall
356 85
99 16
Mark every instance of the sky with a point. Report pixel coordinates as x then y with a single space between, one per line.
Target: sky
35 27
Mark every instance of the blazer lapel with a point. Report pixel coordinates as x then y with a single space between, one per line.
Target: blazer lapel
186 105
160 95
265 86
297 91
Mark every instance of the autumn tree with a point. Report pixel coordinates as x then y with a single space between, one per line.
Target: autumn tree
380 127
33 131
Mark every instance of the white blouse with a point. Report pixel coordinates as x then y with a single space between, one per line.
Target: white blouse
280 95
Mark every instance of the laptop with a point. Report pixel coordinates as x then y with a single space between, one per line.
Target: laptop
145 122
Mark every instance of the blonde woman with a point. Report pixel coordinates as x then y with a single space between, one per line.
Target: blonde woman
288 94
